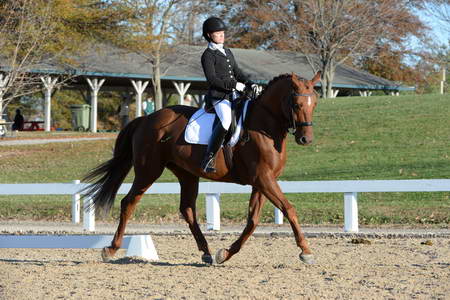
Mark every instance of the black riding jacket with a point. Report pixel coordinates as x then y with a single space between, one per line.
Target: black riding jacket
222 73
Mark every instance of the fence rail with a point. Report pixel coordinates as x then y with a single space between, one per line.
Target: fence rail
213 190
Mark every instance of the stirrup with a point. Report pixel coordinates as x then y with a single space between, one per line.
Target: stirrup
208 164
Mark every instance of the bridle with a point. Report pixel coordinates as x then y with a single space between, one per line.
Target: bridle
293 125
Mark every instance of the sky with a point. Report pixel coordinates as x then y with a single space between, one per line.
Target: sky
439 33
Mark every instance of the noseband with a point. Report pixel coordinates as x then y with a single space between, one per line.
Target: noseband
293 125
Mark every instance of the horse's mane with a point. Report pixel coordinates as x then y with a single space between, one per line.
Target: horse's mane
276 79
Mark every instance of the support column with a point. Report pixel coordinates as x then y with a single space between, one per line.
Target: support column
365 93
3 82
95 85
181 89
49 85
140 87
334 93
443 80
198 99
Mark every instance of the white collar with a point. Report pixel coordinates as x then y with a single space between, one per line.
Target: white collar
214 46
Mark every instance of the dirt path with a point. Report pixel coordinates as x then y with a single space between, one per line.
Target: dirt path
267 268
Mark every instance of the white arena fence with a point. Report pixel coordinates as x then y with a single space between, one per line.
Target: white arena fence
213 190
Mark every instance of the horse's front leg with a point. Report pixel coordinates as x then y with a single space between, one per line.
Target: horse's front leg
268 185
254 212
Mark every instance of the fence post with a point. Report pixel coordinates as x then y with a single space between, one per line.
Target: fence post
76 205
212 211
351 212
89 214
278 216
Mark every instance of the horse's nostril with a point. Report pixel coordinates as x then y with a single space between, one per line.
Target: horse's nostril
303 140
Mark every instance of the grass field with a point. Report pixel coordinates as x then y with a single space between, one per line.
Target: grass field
405 137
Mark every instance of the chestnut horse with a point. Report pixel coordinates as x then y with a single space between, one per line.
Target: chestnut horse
155 142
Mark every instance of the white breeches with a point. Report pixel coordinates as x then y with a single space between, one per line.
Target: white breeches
223 111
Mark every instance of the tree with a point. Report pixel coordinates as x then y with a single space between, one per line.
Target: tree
391 64
441 10
187 21
23 29
44 35
149 35
327 32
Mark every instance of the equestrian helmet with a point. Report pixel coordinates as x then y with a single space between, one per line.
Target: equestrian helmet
212 24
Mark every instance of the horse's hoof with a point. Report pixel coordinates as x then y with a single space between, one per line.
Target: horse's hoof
307 259
106 255
207 259
221 256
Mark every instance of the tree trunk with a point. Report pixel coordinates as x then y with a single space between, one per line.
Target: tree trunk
328 70
157 83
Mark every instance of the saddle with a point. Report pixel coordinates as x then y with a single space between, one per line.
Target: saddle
199 128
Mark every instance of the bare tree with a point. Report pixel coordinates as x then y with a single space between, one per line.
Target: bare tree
328 32
441 10
24 31
188 19
150 35
38 37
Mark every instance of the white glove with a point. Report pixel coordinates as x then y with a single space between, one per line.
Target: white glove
240 86
257 89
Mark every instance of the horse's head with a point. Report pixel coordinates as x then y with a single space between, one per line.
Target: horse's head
301 103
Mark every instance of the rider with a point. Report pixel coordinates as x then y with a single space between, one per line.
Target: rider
223 76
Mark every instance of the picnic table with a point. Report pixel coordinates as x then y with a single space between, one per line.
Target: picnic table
33 126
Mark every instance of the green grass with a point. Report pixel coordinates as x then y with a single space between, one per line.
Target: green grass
405 137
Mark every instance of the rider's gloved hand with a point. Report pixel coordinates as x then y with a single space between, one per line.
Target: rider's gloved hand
251 86
257 89
240 86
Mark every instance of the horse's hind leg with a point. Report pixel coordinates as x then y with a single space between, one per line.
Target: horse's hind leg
256 204
189 192
141 183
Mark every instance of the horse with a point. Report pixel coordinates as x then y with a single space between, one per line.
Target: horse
155 142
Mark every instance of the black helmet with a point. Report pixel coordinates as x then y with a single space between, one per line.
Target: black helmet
212 24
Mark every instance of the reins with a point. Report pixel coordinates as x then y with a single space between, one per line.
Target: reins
234 96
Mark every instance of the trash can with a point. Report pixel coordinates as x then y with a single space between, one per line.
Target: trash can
80 116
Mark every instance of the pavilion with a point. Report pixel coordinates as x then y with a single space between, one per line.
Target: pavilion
110 68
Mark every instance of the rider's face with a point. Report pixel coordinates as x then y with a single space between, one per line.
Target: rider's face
218 37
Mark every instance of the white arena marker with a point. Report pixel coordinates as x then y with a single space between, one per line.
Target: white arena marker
142 246
57 241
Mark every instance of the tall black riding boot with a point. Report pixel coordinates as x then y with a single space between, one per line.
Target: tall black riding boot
216 140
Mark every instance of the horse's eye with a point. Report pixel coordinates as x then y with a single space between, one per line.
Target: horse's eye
296 106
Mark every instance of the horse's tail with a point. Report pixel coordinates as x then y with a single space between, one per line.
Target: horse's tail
107 177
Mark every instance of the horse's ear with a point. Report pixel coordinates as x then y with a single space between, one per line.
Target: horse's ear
316 78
